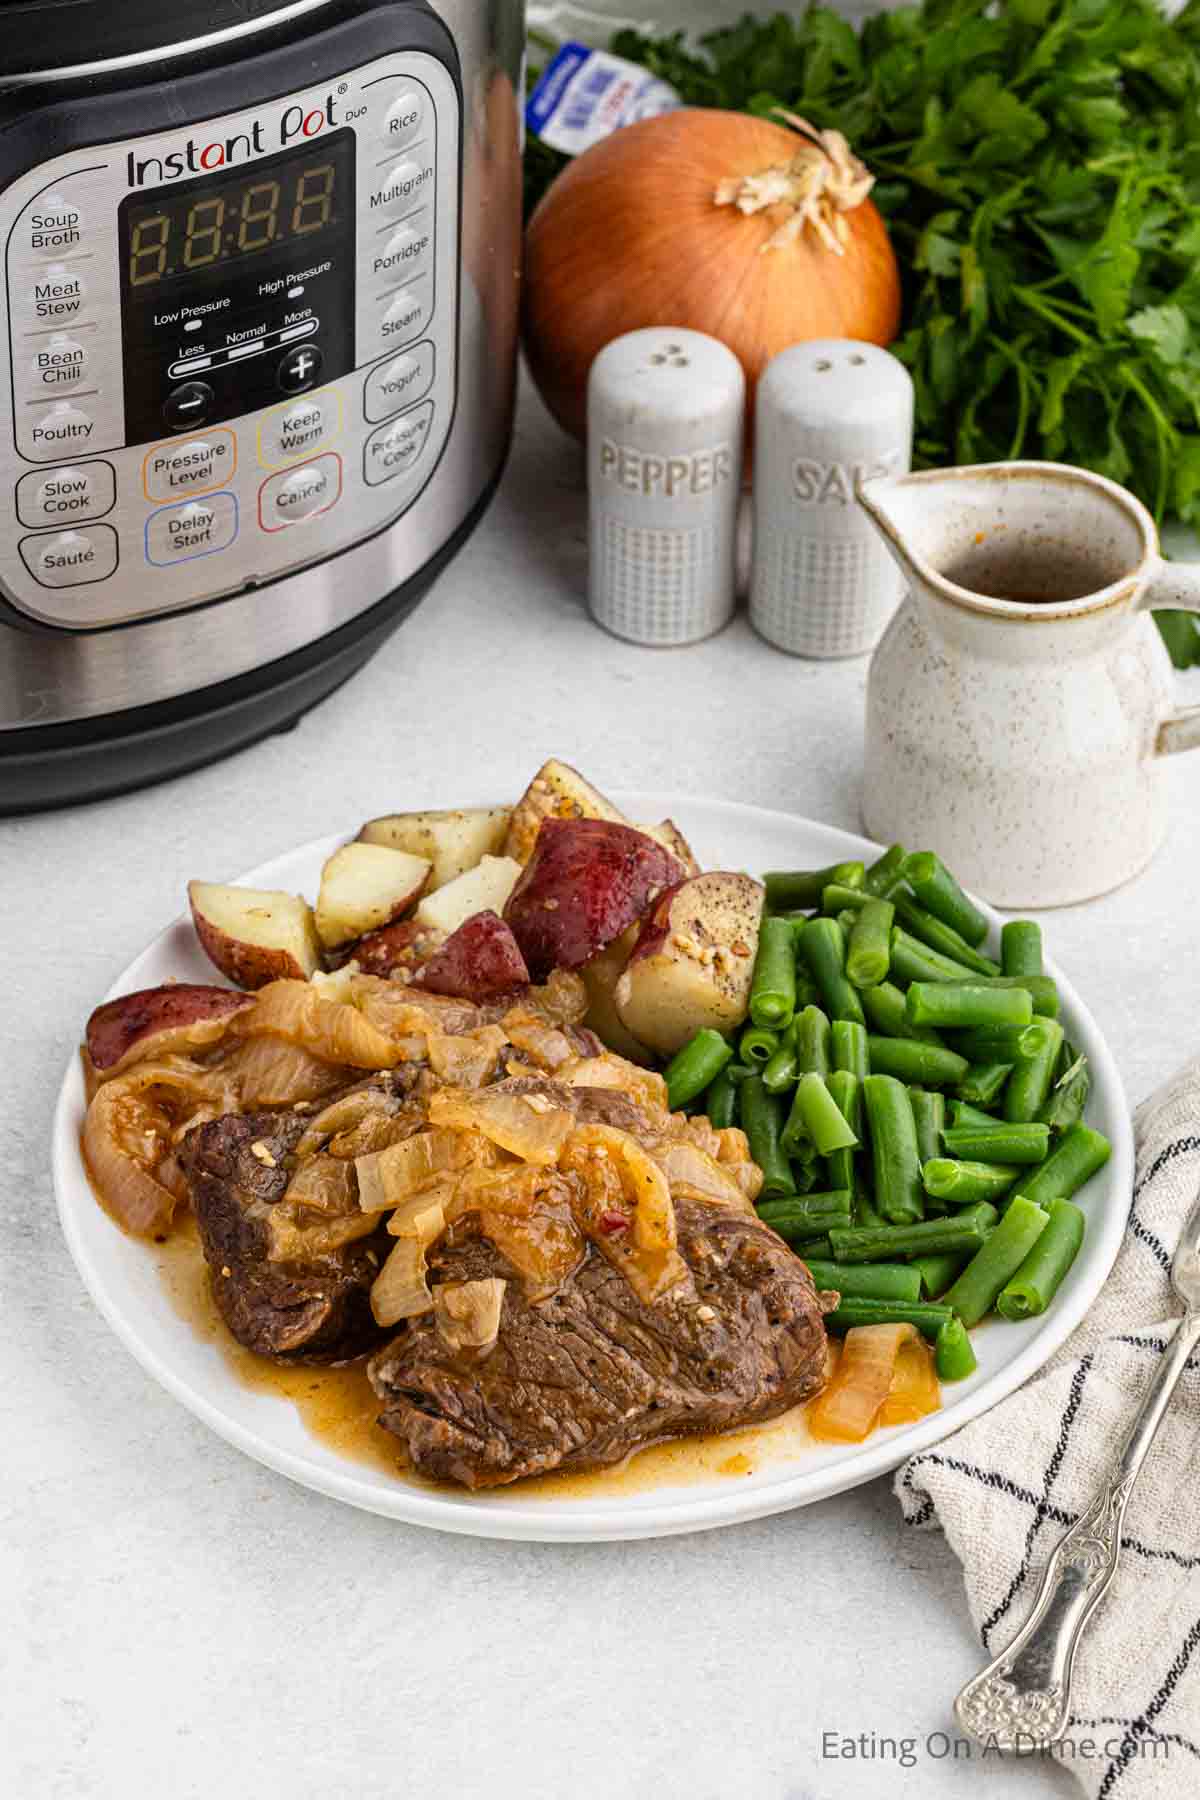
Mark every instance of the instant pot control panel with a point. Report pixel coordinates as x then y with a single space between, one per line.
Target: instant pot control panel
231 345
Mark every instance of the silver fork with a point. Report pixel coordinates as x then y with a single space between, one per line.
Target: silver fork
1022 1700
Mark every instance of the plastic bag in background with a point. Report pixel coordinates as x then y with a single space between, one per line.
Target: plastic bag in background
595 24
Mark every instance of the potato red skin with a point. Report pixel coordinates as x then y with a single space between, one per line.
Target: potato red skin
479 961
383 951
119 1024
585 883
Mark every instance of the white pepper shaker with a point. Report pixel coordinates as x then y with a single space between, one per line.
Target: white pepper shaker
665 421
828 414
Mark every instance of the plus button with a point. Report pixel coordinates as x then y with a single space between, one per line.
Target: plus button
298 368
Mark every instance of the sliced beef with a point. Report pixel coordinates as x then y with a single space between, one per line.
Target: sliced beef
590 1105
582 1378
297 1314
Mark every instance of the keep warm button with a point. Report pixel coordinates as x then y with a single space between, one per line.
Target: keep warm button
303 493
394 448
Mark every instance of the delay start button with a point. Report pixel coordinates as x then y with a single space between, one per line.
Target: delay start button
185 466
71 558
197 528
303 493
394 448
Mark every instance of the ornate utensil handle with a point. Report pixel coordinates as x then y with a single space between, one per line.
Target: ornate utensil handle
1022 1700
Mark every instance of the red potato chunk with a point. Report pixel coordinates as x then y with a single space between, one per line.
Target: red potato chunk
402 945
586 881
157 1021
255 935
693 961
479 961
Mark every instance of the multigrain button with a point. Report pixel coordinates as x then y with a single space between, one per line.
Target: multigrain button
54 223
404 252
394 448
407 313
58 295
401 187
64 427
71 558
60 362
297 429
303 493
185 466
197 528
56 496
404 118
399 382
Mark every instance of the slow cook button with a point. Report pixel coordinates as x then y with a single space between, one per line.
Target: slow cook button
404 118
408 313
401 187
71 558
197 528
181 467
54 223
59 496
58 294
405 379
303 493
405 251
394 448
59 363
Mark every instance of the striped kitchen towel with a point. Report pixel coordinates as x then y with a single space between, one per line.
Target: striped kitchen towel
1006 1487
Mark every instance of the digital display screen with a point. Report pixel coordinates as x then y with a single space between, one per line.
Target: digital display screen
284 203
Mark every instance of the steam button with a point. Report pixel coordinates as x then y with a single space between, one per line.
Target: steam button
407 314
405 118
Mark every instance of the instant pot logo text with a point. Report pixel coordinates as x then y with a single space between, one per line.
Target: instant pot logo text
199 156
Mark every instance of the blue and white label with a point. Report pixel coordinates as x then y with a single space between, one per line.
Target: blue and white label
585 94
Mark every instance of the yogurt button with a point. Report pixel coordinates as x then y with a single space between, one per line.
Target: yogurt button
405 118
398 383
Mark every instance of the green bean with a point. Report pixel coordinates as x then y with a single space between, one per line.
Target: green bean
848 1044
799 888
887 1014
1030 1291
854 1310
1042 990
868 950
757 1046
865 1210
773 983
962 1182
845 924
691 1069
814 1246
914 1061
1068 1096
1079 1153
822 1116
898 1192
912 961
805 1178
867 1281
721 1100
982 1082
962 1113
939 937
939 893
999 1143
761 1122
1021 947
839 1168
836 899
779 1071
797 1215
938 1269
884 877
962 1005
811 1036
976 1289
887 1243
929 1117
823 948
997 1043
807 992
953 1353
1033 1073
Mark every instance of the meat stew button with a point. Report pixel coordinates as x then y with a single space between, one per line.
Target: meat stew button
71 558
394 448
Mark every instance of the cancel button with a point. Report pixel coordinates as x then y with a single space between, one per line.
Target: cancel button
304 492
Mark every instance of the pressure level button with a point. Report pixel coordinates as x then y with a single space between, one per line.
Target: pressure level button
405 118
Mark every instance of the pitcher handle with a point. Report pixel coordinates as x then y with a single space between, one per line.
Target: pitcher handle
1175 585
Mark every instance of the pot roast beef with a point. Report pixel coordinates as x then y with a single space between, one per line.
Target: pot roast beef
590 1374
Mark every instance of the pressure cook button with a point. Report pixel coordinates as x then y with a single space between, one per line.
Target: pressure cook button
188 406
299 368
59 363
405 118
405 379
302 493
405 252
178 469
54 223
58 496
71 558
394 448
401 187
64 427
58 294
407 314
197 528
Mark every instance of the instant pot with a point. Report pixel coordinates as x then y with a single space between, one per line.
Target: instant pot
259 305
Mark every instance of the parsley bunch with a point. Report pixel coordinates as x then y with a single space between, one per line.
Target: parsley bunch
1038 164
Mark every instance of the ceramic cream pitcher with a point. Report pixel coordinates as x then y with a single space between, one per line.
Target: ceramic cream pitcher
1020 702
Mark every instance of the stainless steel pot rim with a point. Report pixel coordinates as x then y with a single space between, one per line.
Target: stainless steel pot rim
184 47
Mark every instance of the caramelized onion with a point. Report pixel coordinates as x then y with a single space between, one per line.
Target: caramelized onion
625 1207
401 1289
132 1126
850 1405
528 1125
468 1312
329 1029
270 1071
695 1175
468 1061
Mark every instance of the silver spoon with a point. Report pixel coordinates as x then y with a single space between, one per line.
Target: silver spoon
1022 1700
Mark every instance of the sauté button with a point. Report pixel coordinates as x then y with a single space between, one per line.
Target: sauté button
182 467
400 382
301 494
407 314
56 496
59 363
54 223
401 187
404 118
188 406
405 251
64 427
71 558
197 528
58 294
299 368
394 448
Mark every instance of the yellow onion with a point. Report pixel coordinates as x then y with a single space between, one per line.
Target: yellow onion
711 221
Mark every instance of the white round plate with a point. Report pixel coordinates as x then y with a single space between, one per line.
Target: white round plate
126 1284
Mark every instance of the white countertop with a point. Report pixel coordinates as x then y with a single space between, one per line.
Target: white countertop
180 1621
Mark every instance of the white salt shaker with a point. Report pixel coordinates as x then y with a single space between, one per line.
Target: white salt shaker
665 423
828 414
